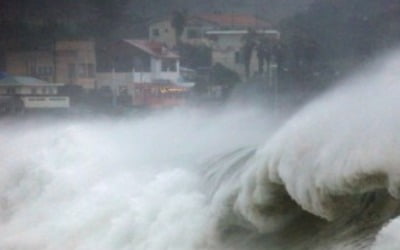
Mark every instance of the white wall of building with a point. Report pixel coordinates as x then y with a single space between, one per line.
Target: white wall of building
163 32
155 67
29 90
117 81
43 102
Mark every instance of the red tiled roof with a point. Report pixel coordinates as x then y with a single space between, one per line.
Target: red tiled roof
234 20
153 48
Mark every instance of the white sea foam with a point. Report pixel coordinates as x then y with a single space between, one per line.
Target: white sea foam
127 184
388 238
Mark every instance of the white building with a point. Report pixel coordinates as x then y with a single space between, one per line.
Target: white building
197 26
33 93
227 45
132 63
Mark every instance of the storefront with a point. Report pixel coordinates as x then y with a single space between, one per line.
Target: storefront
157 95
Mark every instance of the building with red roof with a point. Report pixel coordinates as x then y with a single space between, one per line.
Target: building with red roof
222 32
197 25
145 71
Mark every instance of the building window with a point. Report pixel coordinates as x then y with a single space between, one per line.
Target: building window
168 65
140 64
86 70
238 57
156 32
44 71
82 71
49 71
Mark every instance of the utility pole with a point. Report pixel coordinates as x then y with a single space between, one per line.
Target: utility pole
54 41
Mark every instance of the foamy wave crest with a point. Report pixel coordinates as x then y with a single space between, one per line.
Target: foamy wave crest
330 177
113 184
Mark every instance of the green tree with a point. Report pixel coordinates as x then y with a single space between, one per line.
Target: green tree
178 22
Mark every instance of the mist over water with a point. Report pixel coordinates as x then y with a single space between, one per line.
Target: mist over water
238 178
126 184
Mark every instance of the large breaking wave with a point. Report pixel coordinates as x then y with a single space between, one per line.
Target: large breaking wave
327 178
330 177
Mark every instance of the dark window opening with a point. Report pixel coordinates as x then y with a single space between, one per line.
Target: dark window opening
168 65
156 32
238 57
192 34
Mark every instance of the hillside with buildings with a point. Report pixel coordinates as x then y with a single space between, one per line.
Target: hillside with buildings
139 55
158 70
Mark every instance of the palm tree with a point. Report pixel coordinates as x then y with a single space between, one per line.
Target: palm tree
249 43
263 53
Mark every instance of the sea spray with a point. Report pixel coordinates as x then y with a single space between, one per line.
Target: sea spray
330 177
115 184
